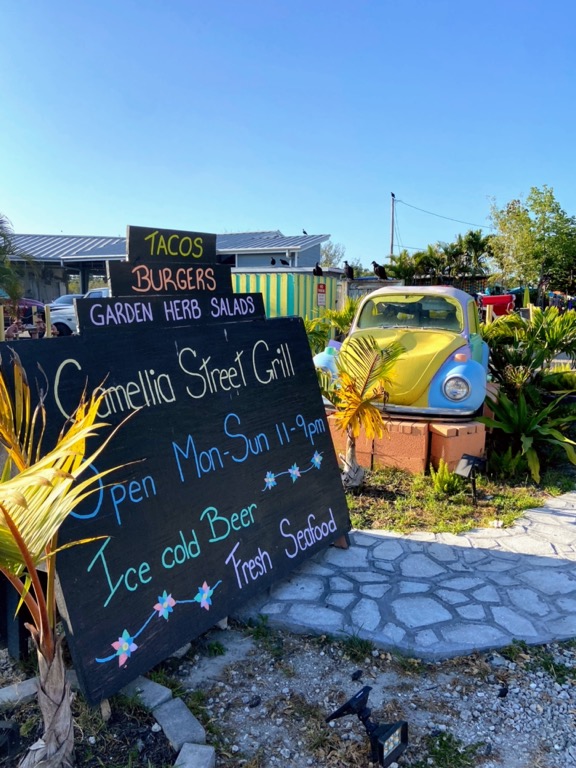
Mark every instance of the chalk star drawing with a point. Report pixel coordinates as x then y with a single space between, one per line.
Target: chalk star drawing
270 480
125 646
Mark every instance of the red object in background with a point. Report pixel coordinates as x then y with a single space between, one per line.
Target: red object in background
502 304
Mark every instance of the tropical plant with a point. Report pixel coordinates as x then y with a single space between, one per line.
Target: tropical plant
402 267
430 261
531 431
523 350
10 282
317 331
444 481
37 493
341 319
363 373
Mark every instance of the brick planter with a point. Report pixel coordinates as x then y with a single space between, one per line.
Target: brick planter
405 446
450 441
412 445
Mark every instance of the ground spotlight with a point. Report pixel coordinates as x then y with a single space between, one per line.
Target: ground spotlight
387 740
468 467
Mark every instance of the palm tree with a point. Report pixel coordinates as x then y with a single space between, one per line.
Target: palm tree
403 267
363 372
430 262
10 283
37 493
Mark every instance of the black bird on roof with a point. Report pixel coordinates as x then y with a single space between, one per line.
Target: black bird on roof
318 271
348 271
304 232
380 271
286 263
273 261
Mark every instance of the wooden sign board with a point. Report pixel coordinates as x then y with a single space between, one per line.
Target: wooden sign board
144 312
235 482
154 278
166 245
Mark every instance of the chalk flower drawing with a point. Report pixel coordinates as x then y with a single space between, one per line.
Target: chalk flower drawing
124 646
204 595
294 472
165 605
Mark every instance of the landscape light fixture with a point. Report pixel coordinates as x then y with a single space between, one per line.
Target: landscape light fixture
387 740
467 467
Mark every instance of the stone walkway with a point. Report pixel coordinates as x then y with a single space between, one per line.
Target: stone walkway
437 596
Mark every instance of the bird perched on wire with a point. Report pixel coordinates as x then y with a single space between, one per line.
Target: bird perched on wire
380 271
348 271
318 271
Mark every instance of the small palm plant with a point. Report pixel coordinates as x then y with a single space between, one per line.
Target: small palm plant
341 319
37 493
363 373
317 331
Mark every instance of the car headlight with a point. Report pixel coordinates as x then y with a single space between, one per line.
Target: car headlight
456 388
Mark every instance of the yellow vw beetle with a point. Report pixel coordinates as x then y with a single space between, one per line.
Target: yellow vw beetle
444 367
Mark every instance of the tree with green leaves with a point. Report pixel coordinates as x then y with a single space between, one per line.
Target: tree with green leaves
469 254
535 242
430 261
403 267
332 254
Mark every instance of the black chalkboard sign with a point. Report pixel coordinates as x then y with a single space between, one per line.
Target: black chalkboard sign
234 481
154 278
149 244
167 311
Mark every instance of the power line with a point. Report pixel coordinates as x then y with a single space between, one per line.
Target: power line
399 239
459 221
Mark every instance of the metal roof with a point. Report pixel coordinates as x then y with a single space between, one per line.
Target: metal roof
78 248
55 247
266 241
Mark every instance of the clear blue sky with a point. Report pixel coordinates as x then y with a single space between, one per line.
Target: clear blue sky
237 115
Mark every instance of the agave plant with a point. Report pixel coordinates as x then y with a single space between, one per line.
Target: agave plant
363 373
37 493
531 431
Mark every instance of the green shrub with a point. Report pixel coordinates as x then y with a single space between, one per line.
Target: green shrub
444 481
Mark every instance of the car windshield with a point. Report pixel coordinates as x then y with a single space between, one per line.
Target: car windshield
412 311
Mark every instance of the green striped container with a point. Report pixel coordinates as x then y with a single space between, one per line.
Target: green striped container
289 293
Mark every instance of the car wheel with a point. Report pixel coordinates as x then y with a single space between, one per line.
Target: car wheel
62 329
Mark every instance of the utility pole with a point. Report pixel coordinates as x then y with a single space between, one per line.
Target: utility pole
393 200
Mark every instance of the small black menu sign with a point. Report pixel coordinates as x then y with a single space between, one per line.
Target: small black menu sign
147 244
230 477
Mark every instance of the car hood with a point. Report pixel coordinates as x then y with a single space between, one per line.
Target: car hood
426 352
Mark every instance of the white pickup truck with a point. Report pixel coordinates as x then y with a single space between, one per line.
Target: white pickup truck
64 318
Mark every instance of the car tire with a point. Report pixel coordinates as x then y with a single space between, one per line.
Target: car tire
62 329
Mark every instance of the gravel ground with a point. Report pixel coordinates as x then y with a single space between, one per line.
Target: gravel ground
269 696
264 698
